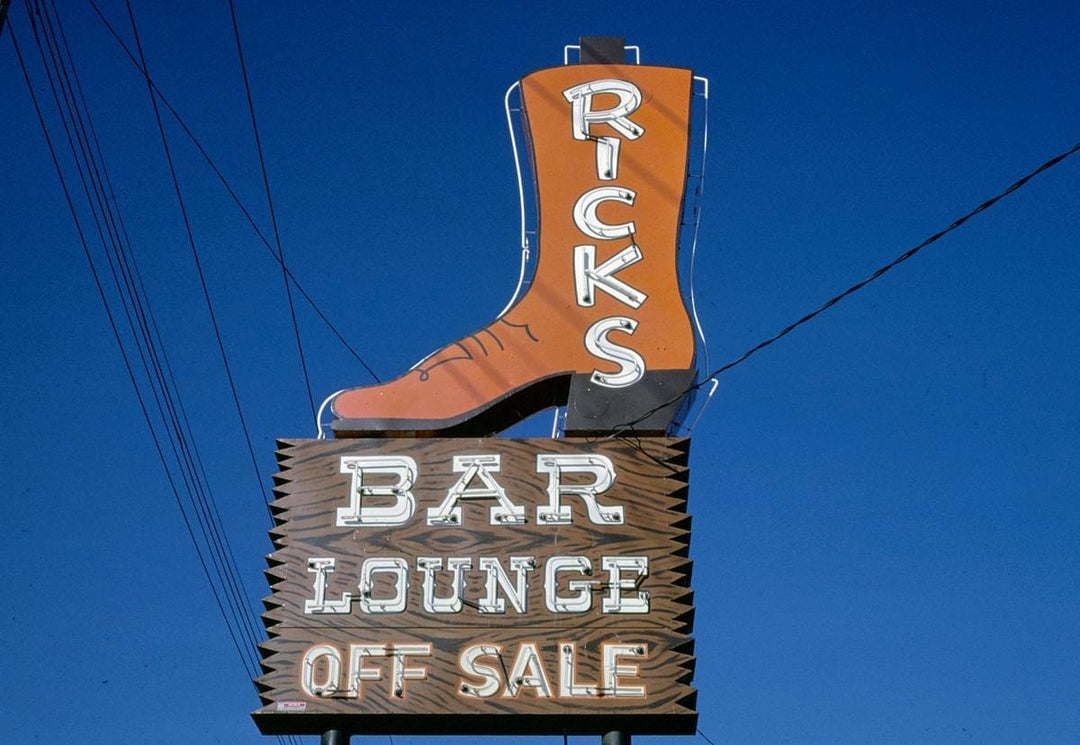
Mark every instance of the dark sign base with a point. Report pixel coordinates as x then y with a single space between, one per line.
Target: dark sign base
467 724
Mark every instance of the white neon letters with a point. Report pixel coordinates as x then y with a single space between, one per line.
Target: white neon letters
398 571
402 467
321 668
612 670
631 364
516 593
430 565
583 116
567 687
320 567
470 664
528 672
325 672
588 276
578 485
476 466
586 220
489 662
580 602
482 468
357 671
599 467
326 684
607 158
400 671
385 587
616 601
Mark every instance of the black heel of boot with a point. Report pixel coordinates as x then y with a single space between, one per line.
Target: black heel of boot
645 408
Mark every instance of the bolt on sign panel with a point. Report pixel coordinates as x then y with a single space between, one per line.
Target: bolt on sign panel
439 585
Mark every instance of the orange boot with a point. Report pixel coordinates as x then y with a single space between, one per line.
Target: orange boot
602 328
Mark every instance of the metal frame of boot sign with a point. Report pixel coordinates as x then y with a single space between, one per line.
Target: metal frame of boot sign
428 577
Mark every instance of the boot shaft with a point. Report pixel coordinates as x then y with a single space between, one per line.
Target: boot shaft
609 148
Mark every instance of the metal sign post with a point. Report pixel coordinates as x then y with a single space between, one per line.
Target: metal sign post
335 737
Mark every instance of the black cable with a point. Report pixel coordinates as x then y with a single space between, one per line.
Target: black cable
144 331
273 214
118 258
227 572
195 252
705 737
232 193
187 455
203 510
198 490
854 288
116 334
4 4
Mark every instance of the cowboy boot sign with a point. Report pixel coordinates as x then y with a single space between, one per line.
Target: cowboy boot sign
428 577
603 328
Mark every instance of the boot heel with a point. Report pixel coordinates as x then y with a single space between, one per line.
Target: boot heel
593 409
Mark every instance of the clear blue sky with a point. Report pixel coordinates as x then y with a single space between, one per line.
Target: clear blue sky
886 504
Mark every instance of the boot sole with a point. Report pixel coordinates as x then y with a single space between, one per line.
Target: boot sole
646 408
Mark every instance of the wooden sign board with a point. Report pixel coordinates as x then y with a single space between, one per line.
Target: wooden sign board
436 586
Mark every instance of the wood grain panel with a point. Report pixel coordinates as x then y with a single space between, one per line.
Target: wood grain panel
651 485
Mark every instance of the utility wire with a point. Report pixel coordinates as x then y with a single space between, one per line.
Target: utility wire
167 377
195 252
273 214
233 632
705 737
232 192
69 97
194 249
629 426
121 261
4 5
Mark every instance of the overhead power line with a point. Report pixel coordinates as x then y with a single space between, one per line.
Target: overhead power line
232 192
4 5
629 426
273 213
195 253
213 552
184 471
705 737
